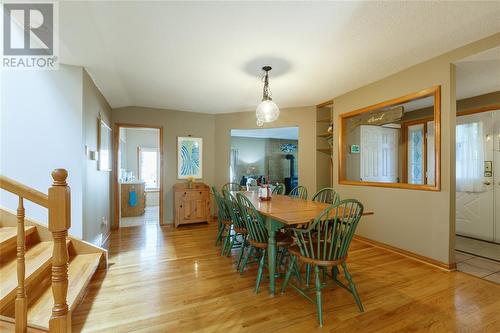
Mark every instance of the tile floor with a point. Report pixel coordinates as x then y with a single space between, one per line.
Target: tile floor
477 247
477 266
151 216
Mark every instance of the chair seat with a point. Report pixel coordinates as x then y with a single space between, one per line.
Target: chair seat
242 231
282 240
295 251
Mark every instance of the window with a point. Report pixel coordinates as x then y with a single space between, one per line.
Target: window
394 143
470 157
416 154
419 148
149 166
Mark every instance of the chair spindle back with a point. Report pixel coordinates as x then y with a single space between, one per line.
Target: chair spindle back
326 195
329 236
279 189
222 211
234 210
257 231
232 187
298 192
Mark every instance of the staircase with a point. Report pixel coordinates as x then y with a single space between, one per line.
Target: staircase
44 272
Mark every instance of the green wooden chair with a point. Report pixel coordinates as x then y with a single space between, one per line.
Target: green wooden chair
239 226
223 217
279 189
258 236
298 192
324 244
232 187
326 195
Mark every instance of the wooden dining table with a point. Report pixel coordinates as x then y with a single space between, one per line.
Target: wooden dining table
283 211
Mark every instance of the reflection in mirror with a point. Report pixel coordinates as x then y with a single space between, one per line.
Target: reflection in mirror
265 156
393 142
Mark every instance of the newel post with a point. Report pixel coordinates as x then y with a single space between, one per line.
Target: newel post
59 223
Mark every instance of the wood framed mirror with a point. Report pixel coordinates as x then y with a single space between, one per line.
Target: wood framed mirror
103 145
395 143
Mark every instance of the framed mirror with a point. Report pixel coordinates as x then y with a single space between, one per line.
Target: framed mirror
395 143
103 146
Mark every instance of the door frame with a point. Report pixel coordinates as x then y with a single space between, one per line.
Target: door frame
404 134
486 108
115 173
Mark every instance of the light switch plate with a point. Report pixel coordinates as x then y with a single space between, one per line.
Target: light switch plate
93 155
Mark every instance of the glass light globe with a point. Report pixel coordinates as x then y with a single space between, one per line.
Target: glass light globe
260 123
267 111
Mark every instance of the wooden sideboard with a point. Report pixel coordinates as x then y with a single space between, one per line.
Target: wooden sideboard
139 208
191 205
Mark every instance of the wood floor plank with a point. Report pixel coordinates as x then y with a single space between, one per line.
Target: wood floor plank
166 280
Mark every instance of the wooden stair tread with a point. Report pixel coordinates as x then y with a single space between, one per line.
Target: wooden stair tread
8 236
80 271
8 327
37 259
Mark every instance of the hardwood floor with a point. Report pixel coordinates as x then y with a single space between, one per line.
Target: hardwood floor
166 280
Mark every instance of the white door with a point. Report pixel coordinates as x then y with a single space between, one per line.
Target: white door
475 189
378 154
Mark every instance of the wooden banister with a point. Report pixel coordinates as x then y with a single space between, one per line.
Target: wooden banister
21 303
59 223
58 204
24 191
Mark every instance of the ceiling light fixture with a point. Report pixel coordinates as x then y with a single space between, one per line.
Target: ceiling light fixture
267 111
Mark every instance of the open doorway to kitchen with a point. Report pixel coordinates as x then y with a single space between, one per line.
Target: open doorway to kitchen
477 241
138 181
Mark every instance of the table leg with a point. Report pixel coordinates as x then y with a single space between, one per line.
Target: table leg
272 226
271 261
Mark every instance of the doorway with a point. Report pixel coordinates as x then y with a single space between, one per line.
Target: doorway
477 227
477 241
478 147
264 156
138 175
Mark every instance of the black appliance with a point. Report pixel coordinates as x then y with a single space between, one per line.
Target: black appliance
292 181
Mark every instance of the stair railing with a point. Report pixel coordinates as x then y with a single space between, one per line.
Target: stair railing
58 204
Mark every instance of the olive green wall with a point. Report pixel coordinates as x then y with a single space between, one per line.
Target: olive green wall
175 123
418 221
97 213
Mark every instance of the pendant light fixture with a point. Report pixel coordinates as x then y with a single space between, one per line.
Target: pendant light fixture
267 111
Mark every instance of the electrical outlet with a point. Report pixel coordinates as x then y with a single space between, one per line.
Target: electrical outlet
104 222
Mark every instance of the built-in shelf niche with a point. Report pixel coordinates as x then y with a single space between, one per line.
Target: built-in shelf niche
324 116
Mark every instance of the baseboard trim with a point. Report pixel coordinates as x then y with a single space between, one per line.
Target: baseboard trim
426 260
105 238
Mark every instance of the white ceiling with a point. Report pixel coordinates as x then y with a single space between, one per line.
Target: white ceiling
290 133
206 56
478 74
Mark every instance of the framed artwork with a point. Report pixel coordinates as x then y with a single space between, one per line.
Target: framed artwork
103 146
189 157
